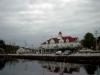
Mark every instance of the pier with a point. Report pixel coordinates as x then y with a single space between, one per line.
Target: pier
92 58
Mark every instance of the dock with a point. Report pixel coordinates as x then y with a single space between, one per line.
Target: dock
52 57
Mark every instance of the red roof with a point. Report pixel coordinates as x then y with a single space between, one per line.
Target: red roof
70 39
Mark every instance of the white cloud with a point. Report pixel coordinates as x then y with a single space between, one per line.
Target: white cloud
32 20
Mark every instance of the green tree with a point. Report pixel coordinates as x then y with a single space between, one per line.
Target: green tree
2 44
98 39
88 41
98 42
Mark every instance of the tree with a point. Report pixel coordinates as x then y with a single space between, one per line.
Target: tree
98 39
2 44
88 41
98 42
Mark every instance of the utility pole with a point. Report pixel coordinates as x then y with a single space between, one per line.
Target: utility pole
96 35
25 44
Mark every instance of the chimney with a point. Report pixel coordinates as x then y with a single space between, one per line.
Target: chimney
59 35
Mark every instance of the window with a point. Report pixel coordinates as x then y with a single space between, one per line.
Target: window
67 40
52 41
61 41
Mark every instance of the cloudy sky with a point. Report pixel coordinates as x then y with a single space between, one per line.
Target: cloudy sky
34 21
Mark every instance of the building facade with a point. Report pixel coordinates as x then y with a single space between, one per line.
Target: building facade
61 42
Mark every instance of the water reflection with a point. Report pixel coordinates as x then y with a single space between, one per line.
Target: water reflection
2 64
60 67
90 69
69 68
30 67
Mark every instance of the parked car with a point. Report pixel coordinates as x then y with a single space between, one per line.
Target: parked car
58 52
66 52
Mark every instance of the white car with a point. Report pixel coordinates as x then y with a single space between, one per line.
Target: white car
58 52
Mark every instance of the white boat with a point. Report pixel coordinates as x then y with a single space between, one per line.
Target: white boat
86 52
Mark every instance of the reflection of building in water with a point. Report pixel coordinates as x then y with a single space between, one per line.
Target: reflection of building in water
61 67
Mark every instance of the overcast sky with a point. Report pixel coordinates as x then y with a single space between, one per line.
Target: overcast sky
34 21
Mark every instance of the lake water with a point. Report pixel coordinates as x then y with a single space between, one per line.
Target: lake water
33 67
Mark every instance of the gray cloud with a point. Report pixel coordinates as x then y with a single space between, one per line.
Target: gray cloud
34 21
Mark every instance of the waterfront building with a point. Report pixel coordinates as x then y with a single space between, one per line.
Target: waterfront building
23 51
61 42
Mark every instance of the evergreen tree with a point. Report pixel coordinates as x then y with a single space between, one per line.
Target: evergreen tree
88 41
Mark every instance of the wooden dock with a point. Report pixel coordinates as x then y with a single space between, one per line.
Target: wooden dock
53 57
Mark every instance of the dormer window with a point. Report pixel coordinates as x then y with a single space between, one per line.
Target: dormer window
47 42
67 40
61 41
52 41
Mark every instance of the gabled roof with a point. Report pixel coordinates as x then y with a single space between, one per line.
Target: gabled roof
55 39
70 39
43 43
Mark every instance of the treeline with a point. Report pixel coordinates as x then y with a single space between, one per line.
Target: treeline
7 48
91 42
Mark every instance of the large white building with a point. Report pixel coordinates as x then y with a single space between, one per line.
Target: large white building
23 51
61 42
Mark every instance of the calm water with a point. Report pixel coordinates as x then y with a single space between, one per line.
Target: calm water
31 67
